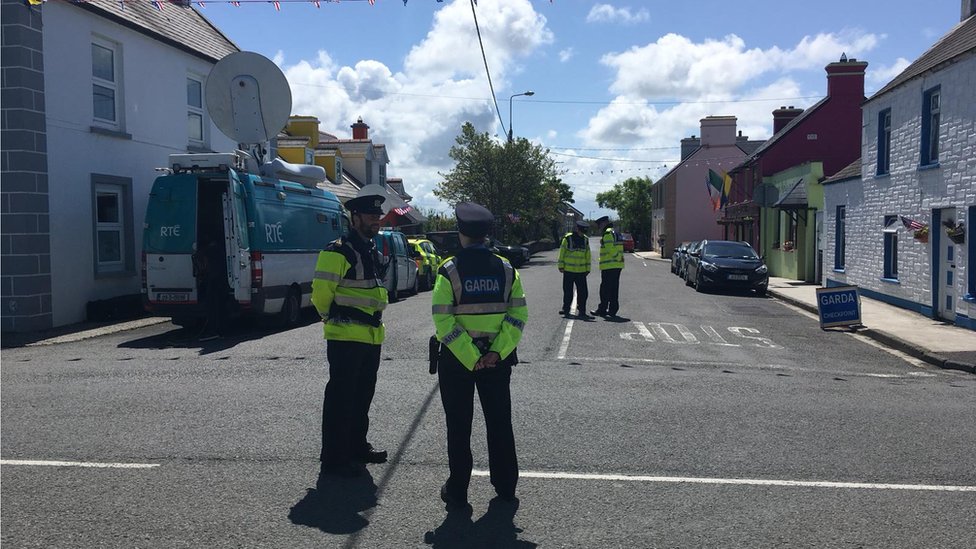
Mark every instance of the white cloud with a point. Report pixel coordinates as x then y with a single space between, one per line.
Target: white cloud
605 13
566 54
879 76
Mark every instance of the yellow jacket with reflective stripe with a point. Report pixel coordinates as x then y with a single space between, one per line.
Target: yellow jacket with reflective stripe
611 251
339 281
457 325
573 259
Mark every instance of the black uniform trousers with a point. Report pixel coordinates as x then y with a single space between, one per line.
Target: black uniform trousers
609 291
578 280
348 395
457 385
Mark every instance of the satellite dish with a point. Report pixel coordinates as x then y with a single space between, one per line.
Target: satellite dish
248 97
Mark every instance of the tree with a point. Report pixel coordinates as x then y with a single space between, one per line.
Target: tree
516 180
631 199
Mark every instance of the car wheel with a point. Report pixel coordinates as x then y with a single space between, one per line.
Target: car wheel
761 292
699 285
687 279
291 309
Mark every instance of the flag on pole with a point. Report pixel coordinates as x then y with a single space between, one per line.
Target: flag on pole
158 5
403 210
911 224
726 189
714 185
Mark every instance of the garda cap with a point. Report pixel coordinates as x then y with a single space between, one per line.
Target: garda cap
604 219
582 224
473 220
368 204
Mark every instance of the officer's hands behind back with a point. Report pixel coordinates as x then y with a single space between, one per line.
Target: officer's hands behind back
487 361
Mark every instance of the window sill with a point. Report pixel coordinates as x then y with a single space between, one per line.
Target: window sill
890 280
110 133
885 175
924 167
842 271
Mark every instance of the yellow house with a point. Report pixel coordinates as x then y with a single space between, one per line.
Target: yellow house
299 147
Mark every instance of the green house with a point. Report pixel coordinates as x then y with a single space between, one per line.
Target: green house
791 200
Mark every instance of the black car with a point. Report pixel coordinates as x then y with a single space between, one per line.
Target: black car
447 242
677 257
686 259
516 255
727 264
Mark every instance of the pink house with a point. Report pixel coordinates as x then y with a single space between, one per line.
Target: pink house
683 209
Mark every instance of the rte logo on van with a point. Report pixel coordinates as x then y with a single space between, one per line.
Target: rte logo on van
272 232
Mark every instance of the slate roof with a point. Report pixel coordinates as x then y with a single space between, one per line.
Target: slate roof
851 171
183 28
959 40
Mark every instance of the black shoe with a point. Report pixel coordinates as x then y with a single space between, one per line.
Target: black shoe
583 316
598 312
564 312
342 470
372 455
454 504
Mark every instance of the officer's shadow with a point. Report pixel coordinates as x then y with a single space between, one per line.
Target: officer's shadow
335 504
496 528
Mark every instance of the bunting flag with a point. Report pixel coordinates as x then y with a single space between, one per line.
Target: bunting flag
372 2
726 189
157 4
403 210
714 185
316 2
236 4
514 218
202 4
911 224
277 5
122 5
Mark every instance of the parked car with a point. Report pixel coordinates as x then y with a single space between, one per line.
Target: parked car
447 242
427 258
628 240
727 264
678 256
516 255
686 257
401 271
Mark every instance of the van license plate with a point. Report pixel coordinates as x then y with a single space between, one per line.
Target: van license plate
173 297
738 277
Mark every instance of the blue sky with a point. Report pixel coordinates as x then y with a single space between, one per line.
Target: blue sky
617 84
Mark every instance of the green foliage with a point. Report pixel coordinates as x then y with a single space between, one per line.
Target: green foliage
512 179
631 199
438 221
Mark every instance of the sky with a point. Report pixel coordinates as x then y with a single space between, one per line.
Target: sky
616 84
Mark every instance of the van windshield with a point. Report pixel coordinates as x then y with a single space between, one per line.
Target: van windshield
171 215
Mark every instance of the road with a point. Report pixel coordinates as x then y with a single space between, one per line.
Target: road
700 420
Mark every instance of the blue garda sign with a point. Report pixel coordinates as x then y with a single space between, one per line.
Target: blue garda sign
839 306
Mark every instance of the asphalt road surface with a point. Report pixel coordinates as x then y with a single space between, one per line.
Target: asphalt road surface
697 420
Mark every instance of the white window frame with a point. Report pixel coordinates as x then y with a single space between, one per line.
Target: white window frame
890 248
199 111
121 189
115 86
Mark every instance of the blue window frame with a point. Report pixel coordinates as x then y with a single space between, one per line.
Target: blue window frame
840 238
891 247
884 142
931 116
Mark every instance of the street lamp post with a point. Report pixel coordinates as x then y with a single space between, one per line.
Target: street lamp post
529 93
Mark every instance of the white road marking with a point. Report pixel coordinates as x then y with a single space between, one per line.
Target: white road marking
738 481
751 366
42 463
569 330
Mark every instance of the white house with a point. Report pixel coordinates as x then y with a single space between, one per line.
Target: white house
917 168
121 88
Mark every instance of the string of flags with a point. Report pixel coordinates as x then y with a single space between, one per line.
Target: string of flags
158 4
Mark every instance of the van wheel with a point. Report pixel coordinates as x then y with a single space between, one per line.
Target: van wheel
291 309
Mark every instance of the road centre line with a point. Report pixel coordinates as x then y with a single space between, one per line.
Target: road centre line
738 481
569 330
45 463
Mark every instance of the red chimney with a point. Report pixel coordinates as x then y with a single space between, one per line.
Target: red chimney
360 130
783 116
845 78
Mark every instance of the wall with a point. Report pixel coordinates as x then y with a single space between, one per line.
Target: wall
154 97
911 191
25 268
800 262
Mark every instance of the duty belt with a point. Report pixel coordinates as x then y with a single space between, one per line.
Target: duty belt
341 313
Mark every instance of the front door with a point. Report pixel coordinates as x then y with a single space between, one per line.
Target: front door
946 271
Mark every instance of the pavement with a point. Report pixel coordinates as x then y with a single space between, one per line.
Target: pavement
936 342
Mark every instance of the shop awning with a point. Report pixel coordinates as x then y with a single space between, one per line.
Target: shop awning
794 199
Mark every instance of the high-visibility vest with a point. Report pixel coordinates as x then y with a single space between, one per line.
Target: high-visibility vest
574 254
611 250
348 293
478 296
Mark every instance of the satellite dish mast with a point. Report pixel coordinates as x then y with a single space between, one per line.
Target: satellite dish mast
249 100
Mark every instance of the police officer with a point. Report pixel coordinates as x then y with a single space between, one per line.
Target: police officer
574 263
348 293
479 313
611 264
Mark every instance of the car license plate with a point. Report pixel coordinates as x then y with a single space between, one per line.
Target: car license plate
173 297
738 277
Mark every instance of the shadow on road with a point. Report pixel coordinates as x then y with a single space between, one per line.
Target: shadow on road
496 528
335 504
237 331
